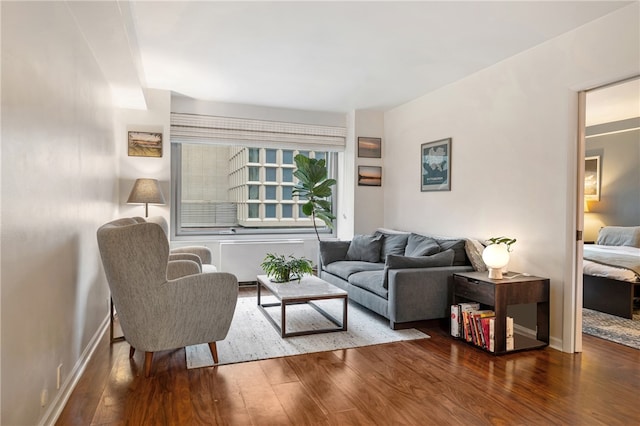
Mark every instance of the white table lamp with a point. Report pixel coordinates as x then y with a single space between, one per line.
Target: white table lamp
496 257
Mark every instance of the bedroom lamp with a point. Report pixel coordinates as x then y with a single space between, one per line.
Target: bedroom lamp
496 257
146 191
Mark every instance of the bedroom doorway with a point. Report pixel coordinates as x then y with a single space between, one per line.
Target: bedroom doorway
608 175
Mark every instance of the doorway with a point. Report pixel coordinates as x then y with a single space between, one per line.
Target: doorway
609 172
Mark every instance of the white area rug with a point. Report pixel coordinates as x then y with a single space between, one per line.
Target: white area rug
252 337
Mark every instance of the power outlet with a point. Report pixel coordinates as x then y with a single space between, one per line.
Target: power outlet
59 377
44 397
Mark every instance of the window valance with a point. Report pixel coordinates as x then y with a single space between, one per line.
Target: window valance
194 128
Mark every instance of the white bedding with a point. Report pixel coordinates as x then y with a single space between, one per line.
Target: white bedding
600 270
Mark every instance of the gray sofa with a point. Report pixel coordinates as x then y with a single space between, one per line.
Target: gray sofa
405 277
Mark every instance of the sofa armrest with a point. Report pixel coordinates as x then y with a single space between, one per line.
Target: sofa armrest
418 294
333 251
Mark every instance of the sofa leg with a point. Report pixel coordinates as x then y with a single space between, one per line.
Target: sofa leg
393 325
132 352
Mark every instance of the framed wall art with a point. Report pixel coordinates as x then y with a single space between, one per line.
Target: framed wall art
435 165
145 144
369 147
369 176
592 178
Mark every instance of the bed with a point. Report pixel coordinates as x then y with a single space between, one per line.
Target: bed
611 271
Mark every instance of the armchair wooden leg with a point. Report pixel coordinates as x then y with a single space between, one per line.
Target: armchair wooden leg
148 358
214 351
132 351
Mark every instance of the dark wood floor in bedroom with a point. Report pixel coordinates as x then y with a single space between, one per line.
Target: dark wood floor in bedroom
431 381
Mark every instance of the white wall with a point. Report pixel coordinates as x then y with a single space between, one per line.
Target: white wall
156 118
619 203
58 185
369 200
514 130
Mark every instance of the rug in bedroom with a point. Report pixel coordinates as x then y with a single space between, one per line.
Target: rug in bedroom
252 337
617 329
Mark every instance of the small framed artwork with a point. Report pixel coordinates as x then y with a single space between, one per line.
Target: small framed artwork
435 165
369 147
145 144
369 176
592 178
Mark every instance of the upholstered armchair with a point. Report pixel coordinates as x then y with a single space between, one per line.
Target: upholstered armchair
157 312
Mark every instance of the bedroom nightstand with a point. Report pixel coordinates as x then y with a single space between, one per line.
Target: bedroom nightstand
498 294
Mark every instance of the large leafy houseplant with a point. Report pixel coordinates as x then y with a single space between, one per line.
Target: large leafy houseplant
283 268
315 187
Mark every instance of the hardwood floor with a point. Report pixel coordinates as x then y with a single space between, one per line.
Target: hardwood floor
431 381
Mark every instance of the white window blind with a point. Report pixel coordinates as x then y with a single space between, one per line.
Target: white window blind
194 128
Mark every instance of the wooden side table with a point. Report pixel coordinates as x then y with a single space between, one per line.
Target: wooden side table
498 294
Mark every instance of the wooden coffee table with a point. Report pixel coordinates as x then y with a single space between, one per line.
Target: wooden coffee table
308 289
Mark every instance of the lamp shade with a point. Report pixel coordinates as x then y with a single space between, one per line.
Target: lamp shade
146 191
496 257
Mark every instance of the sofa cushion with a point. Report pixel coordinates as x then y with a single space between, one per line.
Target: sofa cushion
474 249
392 244
332 251
444 258
371 281
457 245
420 245
365 248
344 268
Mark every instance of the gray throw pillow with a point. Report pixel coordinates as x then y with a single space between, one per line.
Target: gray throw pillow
457 245
392 244
444 258
420 245
332 251
365 248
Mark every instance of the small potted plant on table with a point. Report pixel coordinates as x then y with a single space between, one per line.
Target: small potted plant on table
281 268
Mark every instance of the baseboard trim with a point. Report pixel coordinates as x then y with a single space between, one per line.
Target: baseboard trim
60 400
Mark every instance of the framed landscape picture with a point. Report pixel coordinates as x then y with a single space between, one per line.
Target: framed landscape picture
435 165
369 147
592 178
145 144
369 176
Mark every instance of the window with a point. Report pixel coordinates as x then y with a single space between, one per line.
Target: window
245 188
271 156
237 173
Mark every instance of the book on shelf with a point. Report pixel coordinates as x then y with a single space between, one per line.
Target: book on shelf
472 324
492 334
509 340
457 328
455 320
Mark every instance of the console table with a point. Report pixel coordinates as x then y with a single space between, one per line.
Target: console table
513 289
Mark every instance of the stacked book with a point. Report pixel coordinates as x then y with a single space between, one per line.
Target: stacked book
474 325
509 341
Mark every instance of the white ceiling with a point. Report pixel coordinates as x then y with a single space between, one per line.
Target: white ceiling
325 55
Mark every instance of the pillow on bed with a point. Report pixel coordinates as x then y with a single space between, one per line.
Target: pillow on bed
619 236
